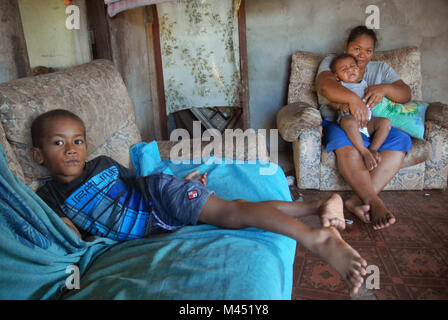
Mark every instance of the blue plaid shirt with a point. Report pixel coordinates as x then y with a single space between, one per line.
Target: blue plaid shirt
107 201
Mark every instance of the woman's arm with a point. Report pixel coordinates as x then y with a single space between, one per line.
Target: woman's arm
397 91
330 88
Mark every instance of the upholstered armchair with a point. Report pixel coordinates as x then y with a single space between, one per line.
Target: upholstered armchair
299 122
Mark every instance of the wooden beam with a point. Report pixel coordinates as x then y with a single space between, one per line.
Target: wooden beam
244 92
157 54
14 62
98 29
153 81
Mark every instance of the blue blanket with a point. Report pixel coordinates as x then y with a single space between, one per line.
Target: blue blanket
37 250
195 262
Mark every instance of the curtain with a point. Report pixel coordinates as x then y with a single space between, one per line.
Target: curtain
200 53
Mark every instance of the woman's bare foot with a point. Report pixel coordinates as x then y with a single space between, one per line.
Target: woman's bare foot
369 160
331 212
329 245
355 206
381 216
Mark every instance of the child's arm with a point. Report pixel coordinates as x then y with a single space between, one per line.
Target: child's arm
72 226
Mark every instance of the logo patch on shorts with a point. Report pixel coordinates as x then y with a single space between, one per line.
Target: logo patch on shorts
192 194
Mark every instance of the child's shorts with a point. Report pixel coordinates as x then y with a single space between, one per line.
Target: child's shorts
177 202
334 138
364 130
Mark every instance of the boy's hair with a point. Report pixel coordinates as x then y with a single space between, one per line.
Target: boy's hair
338 58
39 124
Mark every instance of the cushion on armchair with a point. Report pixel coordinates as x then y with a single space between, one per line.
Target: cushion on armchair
302 87
93 91
407 64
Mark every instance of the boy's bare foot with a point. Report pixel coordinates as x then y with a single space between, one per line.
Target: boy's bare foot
381 216
331 212
369 160
328 244
355 206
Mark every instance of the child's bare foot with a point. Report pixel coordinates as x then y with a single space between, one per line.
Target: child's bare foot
381 216
331 212
369 160
329 245
355 206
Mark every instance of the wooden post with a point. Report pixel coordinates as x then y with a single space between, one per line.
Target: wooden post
99 29
155 54
244 94
14 60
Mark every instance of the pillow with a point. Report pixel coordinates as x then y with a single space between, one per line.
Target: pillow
146 158
408 117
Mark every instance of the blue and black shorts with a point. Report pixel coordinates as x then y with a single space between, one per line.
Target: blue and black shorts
177 202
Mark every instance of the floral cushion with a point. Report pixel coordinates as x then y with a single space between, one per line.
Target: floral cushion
407 64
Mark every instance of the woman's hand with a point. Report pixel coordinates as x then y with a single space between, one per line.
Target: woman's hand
374 94
359 110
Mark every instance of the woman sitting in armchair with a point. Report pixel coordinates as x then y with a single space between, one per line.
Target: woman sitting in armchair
382 81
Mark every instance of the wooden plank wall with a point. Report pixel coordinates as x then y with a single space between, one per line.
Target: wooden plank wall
14 61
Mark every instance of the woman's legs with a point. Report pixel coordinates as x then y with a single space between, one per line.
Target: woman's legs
367 184
380 177
367 205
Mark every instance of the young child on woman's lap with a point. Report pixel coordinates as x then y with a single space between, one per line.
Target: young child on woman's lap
347 72
101 197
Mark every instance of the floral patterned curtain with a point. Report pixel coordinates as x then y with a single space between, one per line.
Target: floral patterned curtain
200 53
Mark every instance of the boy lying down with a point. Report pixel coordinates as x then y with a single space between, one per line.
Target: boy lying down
103 198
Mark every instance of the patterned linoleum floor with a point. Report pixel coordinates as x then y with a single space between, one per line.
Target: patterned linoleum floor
411 256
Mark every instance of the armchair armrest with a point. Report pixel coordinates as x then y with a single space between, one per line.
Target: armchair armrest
437 113
294 118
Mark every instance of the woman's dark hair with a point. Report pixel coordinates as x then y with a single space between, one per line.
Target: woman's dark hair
38 125
359 31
